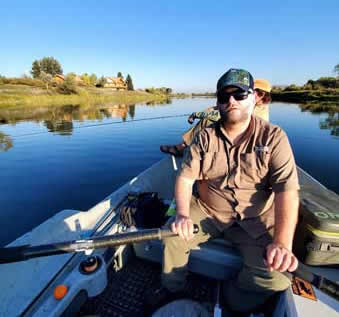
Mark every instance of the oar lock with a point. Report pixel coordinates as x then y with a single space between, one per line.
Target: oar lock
90 265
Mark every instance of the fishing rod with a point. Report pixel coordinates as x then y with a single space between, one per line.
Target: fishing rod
107 123
26 252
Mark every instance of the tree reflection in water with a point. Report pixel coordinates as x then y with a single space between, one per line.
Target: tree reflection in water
5 142
60 119
331 123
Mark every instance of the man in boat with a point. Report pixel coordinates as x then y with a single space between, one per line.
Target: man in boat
247 193
211 115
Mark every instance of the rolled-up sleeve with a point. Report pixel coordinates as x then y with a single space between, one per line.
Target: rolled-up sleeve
283 170
191 164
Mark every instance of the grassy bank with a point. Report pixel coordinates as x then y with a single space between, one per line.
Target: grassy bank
27 96
326 96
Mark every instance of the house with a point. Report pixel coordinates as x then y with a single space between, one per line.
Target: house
117 83
59 78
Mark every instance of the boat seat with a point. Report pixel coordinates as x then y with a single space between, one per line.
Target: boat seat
216 258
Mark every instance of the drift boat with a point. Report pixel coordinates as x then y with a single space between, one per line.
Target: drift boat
68 284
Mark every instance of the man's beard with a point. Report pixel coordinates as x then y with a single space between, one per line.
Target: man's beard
232 118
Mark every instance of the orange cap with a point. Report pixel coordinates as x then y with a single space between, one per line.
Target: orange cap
60 291
262 84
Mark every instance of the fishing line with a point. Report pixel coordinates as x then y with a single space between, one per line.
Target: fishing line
104 124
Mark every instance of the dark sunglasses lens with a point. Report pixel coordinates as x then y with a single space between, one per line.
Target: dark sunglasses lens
224 97
241 96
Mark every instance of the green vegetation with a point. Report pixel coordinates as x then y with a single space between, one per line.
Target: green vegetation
315 95
5 142
129 82
49 87
157 91
32 96
206 94
49 65
336 69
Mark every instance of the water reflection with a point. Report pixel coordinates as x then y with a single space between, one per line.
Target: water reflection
160 102
59 119
5 142
331 123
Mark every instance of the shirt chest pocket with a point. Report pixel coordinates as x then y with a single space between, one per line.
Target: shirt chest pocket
214 165
254 167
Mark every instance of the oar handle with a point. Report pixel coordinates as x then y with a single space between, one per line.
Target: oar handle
25 252
13 254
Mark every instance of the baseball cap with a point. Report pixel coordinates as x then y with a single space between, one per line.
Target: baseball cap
238 78
262 84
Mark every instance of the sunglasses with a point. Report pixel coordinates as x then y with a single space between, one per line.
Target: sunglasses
224 97
259 92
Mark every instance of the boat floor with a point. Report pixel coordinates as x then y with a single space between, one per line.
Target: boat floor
125 293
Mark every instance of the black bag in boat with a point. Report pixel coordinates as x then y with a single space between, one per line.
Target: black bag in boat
143 210
316 240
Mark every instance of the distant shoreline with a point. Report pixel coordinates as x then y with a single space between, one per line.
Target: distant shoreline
27 96
321 100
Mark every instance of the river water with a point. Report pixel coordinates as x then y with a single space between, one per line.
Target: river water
72 157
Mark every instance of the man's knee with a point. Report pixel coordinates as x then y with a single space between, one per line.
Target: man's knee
261 280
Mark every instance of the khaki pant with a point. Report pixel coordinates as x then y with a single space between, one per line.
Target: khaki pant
252 286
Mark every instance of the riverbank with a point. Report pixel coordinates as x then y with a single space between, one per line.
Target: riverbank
27 96
321 100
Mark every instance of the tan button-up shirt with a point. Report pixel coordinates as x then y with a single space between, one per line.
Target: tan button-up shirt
237 181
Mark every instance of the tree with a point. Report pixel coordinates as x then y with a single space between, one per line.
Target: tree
86 79
71 75
129 82
47 64
120 75
93 79
36 69
336 69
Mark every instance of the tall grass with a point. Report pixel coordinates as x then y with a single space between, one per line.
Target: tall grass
10 98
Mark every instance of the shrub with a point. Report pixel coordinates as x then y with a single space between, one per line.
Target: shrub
68 87
292 87
101 82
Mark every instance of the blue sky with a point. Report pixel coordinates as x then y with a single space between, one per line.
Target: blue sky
185 45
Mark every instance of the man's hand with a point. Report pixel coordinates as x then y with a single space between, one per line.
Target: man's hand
191 118
280 258
183 226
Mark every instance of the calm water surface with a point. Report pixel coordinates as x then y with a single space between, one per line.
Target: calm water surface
73 157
